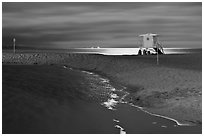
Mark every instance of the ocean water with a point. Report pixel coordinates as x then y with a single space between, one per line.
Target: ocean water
132 51
112 51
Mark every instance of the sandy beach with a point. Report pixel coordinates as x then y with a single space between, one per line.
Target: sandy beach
173 88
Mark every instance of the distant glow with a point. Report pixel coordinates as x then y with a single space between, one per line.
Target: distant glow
129 51
121 51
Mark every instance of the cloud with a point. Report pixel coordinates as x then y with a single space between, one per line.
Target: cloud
68 25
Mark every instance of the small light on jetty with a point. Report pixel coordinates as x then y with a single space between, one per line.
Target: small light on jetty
150 45
14 45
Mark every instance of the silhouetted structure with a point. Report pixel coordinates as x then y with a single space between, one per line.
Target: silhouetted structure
150 45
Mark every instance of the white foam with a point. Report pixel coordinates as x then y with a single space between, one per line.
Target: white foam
161 116
115 120
123 97
67 67
110 104
104 80
113 89
122 130
110 108
108 87
114 95
164 126
87 72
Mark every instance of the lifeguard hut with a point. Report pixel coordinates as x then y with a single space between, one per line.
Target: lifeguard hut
150 45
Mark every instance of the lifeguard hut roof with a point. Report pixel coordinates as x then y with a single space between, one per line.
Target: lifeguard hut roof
150 34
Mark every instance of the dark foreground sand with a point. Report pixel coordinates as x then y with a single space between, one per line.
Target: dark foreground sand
172 89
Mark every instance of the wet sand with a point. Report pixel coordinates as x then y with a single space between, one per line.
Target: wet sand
172 89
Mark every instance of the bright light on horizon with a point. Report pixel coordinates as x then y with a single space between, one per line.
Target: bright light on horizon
130 51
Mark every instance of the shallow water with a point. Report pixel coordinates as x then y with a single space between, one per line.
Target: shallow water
106 113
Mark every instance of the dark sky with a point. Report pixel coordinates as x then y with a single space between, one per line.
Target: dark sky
69 25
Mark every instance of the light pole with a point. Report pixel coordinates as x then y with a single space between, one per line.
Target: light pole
157 55
14 45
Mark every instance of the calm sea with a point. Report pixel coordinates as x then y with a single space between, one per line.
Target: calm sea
133 51
113 51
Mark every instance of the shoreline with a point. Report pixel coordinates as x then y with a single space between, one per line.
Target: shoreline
129 90
131 104
125 71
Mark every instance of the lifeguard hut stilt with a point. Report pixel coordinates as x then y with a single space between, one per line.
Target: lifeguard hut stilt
150 45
